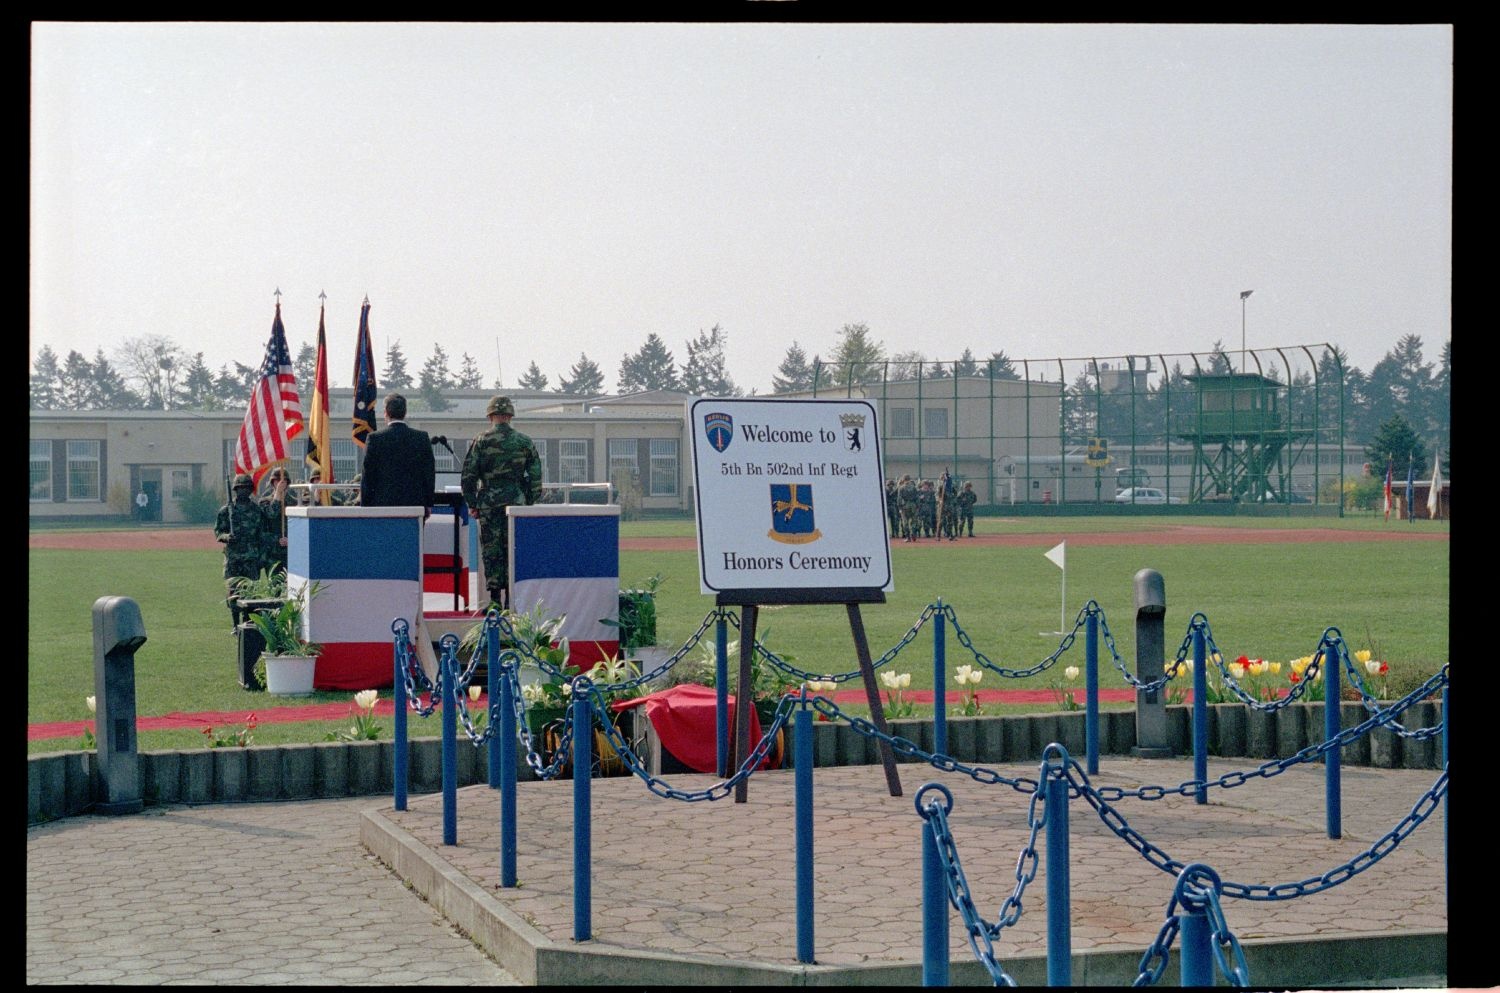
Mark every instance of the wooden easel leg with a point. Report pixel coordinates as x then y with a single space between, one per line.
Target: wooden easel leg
744 691
877 712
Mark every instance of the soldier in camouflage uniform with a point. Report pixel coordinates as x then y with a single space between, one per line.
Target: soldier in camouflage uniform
245 531
927 508
947 502
892 507
274 504
966 500
502 468
906 498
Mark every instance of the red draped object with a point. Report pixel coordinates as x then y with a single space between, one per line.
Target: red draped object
684 719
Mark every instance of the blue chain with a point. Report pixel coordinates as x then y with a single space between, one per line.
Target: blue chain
957 887
1063 646
903 746
1371 702
719 790
1280 891
803 675
1197 891
1277 766
1292 696
1170 673
412 674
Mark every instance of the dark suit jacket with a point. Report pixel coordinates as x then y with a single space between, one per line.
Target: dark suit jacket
399 468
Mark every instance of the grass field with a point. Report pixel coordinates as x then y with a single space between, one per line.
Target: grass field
1267 600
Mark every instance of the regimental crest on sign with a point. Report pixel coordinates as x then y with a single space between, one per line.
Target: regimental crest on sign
720 430
854 427
1098 454
792 514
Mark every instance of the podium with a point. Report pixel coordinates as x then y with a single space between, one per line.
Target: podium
445 541
368 561
567 558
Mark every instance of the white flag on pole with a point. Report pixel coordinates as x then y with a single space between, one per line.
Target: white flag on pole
1434 500
1056 554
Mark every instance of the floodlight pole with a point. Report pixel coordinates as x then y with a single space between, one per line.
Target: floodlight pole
1244 295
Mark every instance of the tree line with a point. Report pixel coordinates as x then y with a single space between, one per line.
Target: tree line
152 372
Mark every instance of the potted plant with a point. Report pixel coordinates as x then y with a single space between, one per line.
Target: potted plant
637 619
289 659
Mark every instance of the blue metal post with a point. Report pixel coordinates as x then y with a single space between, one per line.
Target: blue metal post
448 672
1332 782
1091 691
940 682
583 726
398 765
934 893
802 763
1200 716
505 730
1445 794
1059 928
492 693
1197 947
1332 772
721 694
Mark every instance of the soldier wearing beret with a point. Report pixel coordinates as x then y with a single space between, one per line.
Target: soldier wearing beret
502 468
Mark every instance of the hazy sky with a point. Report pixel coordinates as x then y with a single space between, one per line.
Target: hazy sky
530 192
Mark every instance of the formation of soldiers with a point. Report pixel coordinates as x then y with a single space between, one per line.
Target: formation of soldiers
926 508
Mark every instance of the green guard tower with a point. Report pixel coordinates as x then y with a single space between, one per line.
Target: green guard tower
1243 443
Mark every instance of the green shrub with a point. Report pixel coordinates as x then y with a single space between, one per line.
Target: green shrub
200 505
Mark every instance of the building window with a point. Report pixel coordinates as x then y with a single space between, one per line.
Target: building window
934 422
346 459
663 466
624 459
41 470
902 423
573 459
83 471
182 483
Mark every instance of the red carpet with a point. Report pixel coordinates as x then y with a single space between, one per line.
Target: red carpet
341 711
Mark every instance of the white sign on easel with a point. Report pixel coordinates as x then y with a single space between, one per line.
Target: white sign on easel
791 509
790 495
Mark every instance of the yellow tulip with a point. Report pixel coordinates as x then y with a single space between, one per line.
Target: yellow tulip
1071 672
366 699
1275 668
90 701
1363 655
474 692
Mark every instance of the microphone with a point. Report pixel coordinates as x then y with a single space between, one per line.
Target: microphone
439 439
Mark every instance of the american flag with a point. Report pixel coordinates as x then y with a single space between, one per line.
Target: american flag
274 415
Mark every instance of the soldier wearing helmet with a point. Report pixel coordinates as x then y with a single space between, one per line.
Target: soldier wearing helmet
502 468
247 531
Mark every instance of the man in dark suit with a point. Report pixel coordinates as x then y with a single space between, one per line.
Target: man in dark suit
399 467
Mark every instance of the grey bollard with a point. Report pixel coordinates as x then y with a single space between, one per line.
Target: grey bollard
1151 739
118 633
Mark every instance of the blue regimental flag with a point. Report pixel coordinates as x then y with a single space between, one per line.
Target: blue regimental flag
364 380
792 514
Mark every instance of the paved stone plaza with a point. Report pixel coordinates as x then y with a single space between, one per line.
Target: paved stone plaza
284 893
704 892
